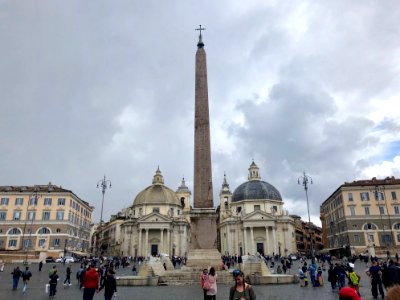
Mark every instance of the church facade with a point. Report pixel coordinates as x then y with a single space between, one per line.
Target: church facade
253 220
158 221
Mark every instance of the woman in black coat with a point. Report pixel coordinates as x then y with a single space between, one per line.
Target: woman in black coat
109 284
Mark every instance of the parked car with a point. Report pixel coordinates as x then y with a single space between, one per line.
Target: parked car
49 259
68 259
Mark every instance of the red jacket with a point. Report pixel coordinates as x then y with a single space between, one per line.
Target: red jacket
91 279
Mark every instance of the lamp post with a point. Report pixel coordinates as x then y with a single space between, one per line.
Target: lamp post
380 190
303 180
34 196
104 184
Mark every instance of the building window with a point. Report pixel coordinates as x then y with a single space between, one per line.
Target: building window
4 201
3 215
14 231
46 215
274 208
366 210
31 215
379 196
396 226
370 226
396 210
56 242
12 243
33 201
47 201
381 210
172 211
356 238
371 238
42 242
394 196
352 211
58 230
27 243
350 195
354 226
19 201
44 230
60 215
61 201
17 215
156 209
257 207
364 196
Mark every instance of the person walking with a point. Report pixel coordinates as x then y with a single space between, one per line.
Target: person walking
109 285
16 274
90 283
241 290
68 276
53 283
26 276
40 266
203 280
212 279
376 279
332 277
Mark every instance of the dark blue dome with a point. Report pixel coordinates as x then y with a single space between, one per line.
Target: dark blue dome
256 189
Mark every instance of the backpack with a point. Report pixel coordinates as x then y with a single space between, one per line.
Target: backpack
353 278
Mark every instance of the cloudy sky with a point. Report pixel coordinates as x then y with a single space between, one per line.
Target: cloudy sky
89 88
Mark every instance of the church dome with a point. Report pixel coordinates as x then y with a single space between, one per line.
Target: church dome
157 193
255 188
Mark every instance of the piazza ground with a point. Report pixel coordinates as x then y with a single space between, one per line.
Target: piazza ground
193 292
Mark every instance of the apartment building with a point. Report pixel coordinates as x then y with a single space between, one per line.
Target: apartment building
363 215
45 220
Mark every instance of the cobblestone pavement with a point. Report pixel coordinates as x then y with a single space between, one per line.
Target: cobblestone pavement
271 292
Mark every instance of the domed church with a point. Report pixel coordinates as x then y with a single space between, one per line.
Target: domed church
252 219
157 222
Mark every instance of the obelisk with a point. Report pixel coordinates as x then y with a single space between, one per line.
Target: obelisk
203 217
203 189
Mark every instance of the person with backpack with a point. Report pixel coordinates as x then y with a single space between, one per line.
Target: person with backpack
53 283
26 276
16 274
203 279
354 280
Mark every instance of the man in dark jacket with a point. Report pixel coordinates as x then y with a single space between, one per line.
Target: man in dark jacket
109 285
16 274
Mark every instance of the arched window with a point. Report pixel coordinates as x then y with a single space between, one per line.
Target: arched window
370 226
396 226
44 230
14 231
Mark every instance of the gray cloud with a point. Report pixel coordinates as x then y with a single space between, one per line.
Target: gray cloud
91 88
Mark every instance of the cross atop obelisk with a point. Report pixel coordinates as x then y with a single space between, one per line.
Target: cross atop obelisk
203 189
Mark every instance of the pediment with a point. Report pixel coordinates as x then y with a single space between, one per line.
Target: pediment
258 215
154 217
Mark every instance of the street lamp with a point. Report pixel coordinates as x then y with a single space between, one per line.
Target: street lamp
379 192
35 196
104 184
303 180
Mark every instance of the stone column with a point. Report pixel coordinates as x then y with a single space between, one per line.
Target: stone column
266 240
146 246
274 240
140 242
162 241
245 241
184 243
169 242
252 241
